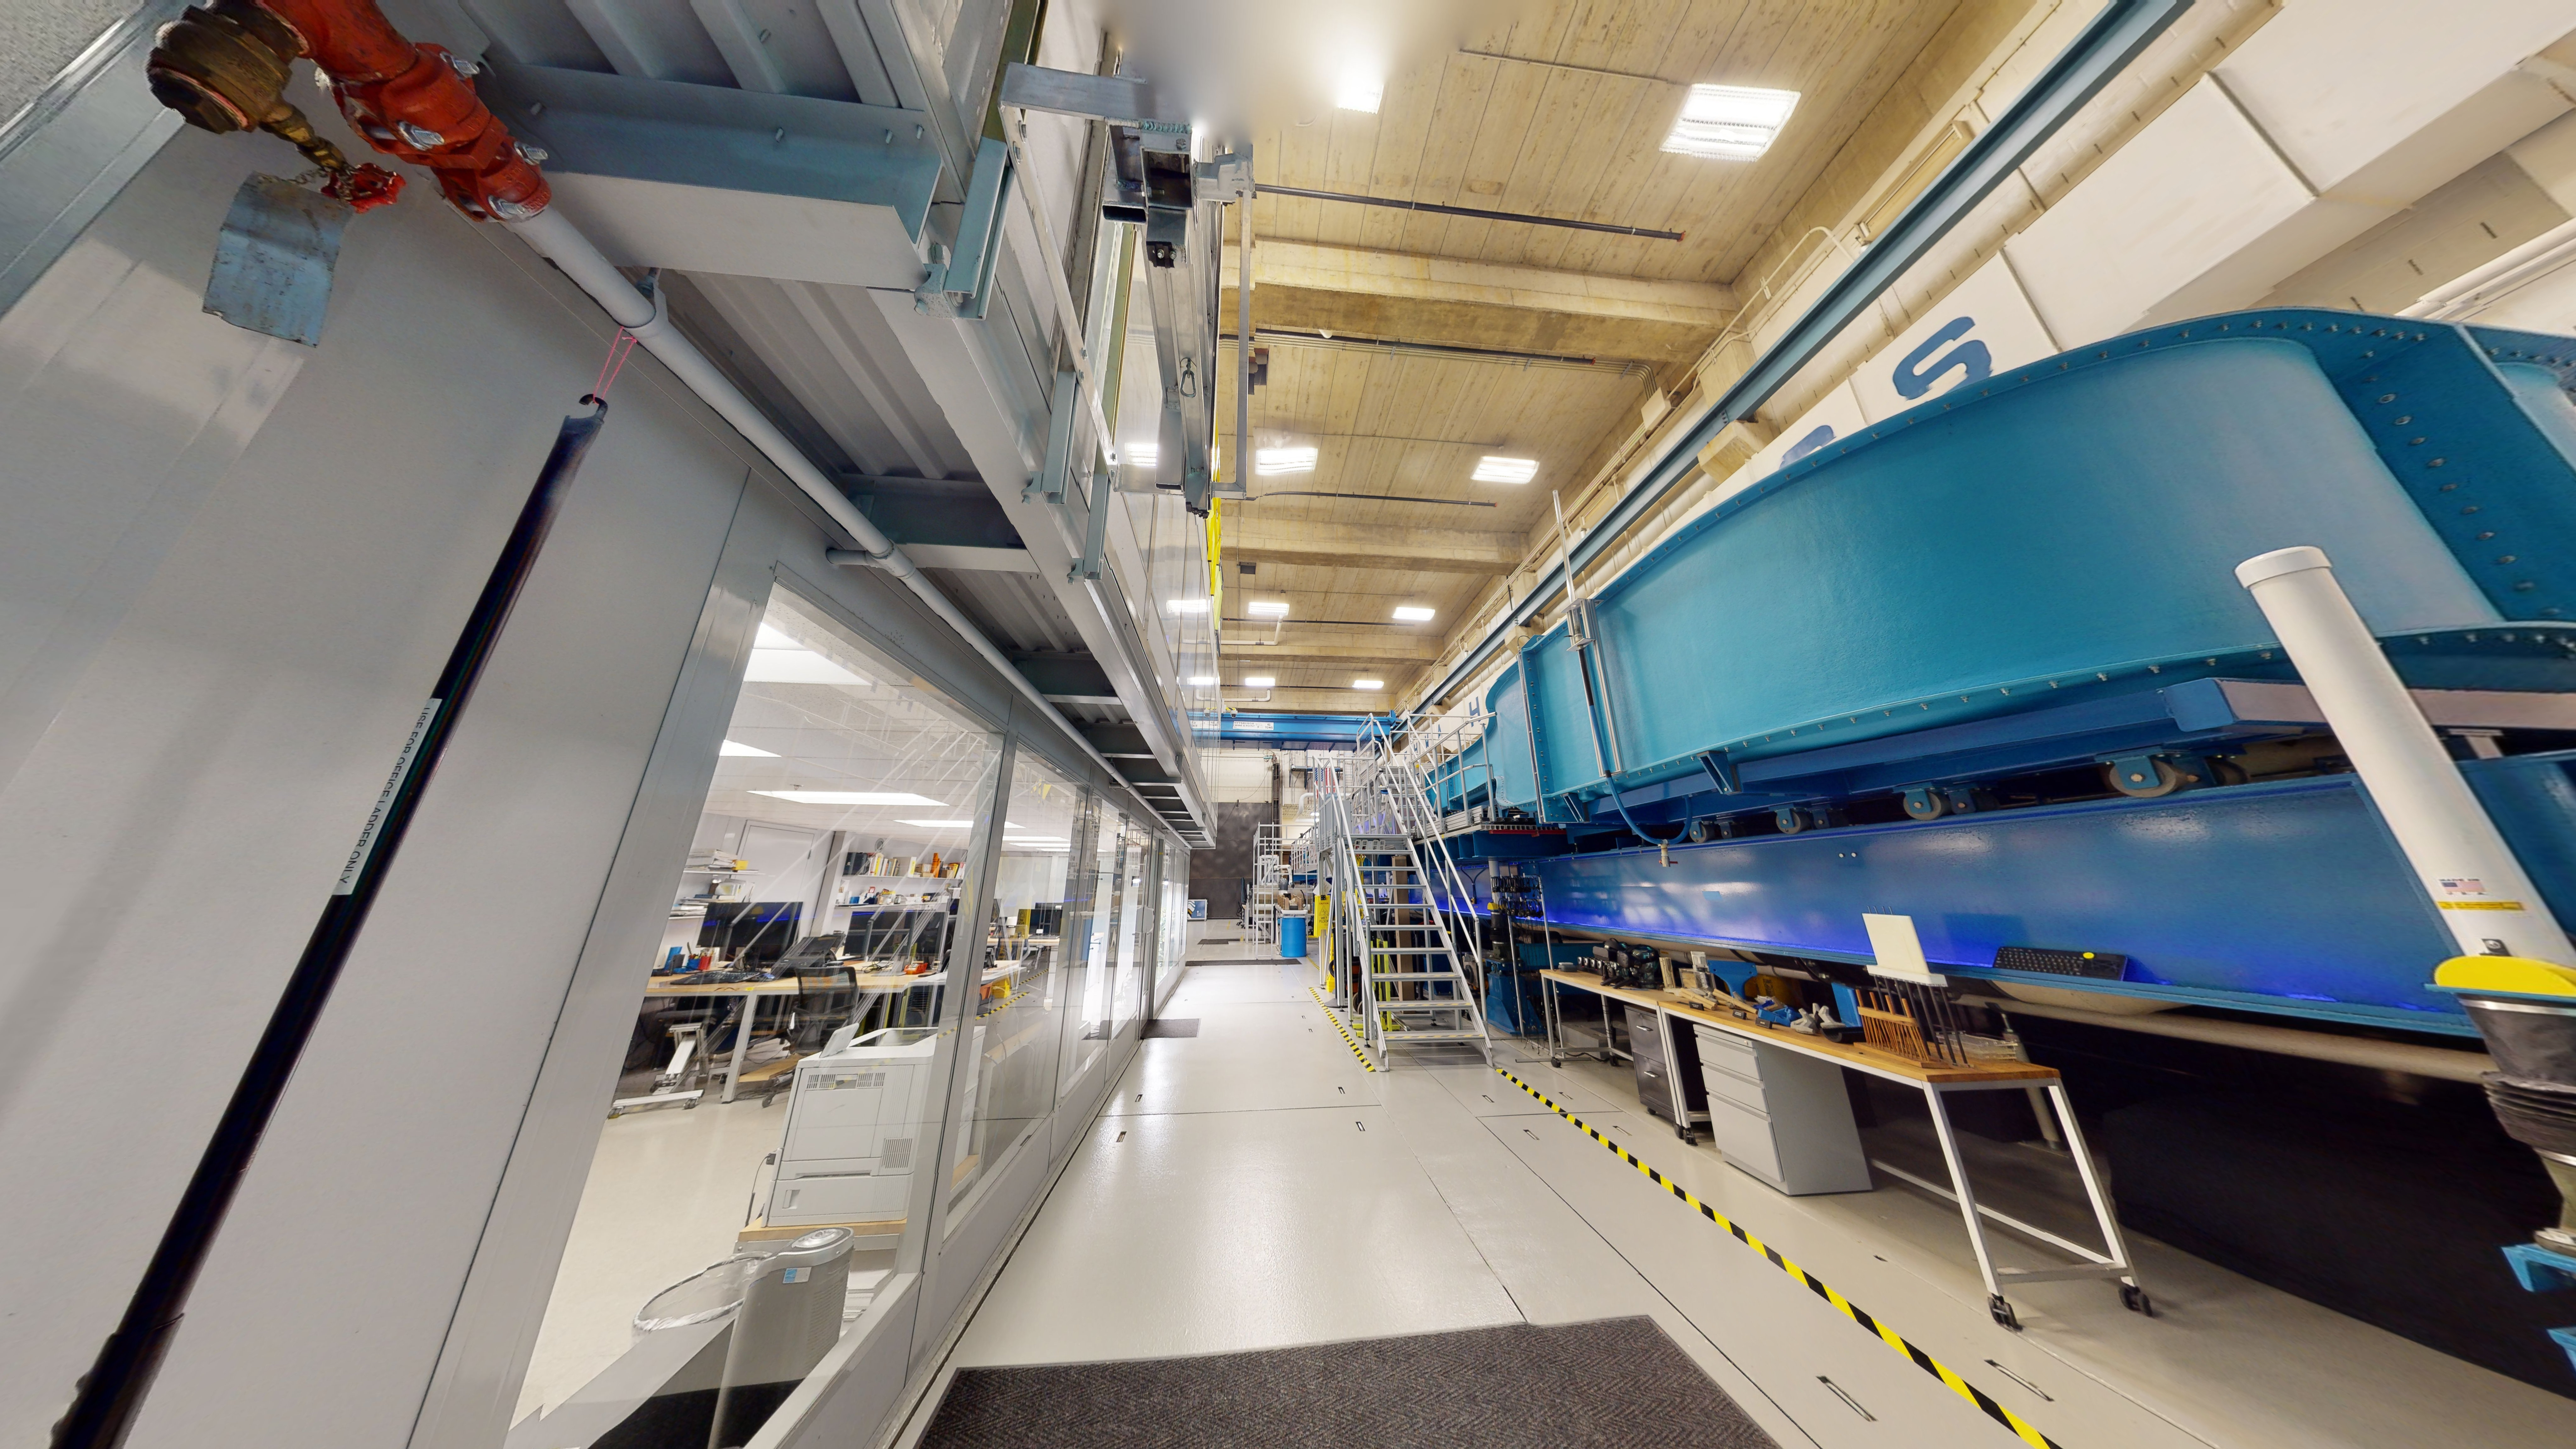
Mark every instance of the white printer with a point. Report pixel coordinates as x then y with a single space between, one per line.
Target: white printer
855 1128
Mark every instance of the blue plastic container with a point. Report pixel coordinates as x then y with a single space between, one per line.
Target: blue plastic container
1292 935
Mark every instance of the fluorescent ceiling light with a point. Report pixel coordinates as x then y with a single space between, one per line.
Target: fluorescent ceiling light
1271 462
795 666
1186 606
737 747
1259 681
1492 469
1202 681
1368 684
1143 455
849 797
1268 608
1360 90
1730 123
1414 613
941 824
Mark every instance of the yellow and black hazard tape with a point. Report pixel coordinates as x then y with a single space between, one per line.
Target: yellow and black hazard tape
1853 1311
1347 1039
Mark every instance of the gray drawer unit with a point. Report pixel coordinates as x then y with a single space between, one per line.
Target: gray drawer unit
1779 1115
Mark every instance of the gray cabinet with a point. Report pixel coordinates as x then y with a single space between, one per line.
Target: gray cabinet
1780 1115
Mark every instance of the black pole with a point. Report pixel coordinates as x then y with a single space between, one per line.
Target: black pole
110 1394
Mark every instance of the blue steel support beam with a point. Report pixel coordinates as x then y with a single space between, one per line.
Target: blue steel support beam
2115 37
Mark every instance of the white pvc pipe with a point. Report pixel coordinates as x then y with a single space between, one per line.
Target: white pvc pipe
649 319
2487 285
2485 897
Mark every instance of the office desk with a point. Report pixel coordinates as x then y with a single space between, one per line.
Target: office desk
1935 1081
750 991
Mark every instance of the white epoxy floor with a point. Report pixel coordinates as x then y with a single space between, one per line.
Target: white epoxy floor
667 1193
1255 1187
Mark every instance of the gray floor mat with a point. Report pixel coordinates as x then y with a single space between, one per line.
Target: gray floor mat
1618 1382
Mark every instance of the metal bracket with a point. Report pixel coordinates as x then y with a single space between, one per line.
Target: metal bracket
1050 479
1721 772
1086 569
960 283
1226 176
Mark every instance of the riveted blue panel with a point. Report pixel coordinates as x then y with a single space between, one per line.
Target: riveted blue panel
2087 523
2289 896
1561 725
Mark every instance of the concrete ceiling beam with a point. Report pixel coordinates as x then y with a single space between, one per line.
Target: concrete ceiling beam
1250 654
1401 296
1345 545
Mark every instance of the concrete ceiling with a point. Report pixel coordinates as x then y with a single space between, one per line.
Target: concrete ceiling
1450 338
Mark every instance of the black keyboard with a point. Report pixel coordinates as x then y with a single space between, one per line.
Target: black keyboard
2096 965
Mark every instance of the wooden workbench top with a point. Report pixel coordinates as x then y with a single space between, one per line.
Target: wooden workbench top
1867 1058
675 986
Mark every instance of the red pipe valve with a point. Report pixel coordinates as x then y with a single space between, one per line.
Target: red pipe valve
224 68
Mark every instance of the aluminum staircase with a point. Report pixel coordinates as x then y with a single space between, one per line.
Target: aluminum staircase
1407 986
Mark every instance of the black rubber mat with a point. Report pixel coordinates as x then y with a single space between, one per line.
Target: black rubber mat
1616 1384
1173 1026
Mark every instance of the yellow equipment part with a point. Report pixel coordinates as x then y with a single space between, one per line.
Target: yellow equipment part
2506 973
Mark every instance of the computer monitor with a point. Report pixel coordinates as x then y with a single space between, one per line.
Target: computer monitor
753 933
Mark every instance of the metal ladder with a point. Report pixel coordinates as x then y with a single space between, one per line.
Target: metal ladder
1393 876
1266 882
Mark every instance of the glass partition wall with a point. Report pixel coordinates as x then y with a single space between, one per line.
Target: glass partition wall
1017 1037
786 1075
879 931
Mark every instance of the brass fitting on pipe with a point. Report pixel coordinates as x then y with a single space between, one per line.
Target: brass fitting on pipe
224 68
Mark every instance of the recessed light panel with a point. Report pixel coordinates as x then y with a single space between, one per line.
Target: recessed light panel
1201 681
1368 684
1268 608
1361 89
1272 462
1414 613
1493 469
1730 123
1259 681
941 824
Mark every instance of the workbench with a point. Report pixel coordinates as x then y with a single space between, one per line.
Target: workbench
750 991
1935 1081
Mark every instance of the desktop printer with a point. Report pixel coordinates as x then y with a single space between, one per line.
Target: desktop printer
854 1128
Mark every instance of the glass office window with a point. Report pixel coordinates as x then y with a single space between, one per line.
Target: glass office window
786 1071
1172 946
1086 964
1127 999
1017 1031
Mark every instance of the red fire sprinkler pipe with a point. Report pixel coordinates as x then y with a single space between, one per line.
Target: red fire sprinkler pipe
224 67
